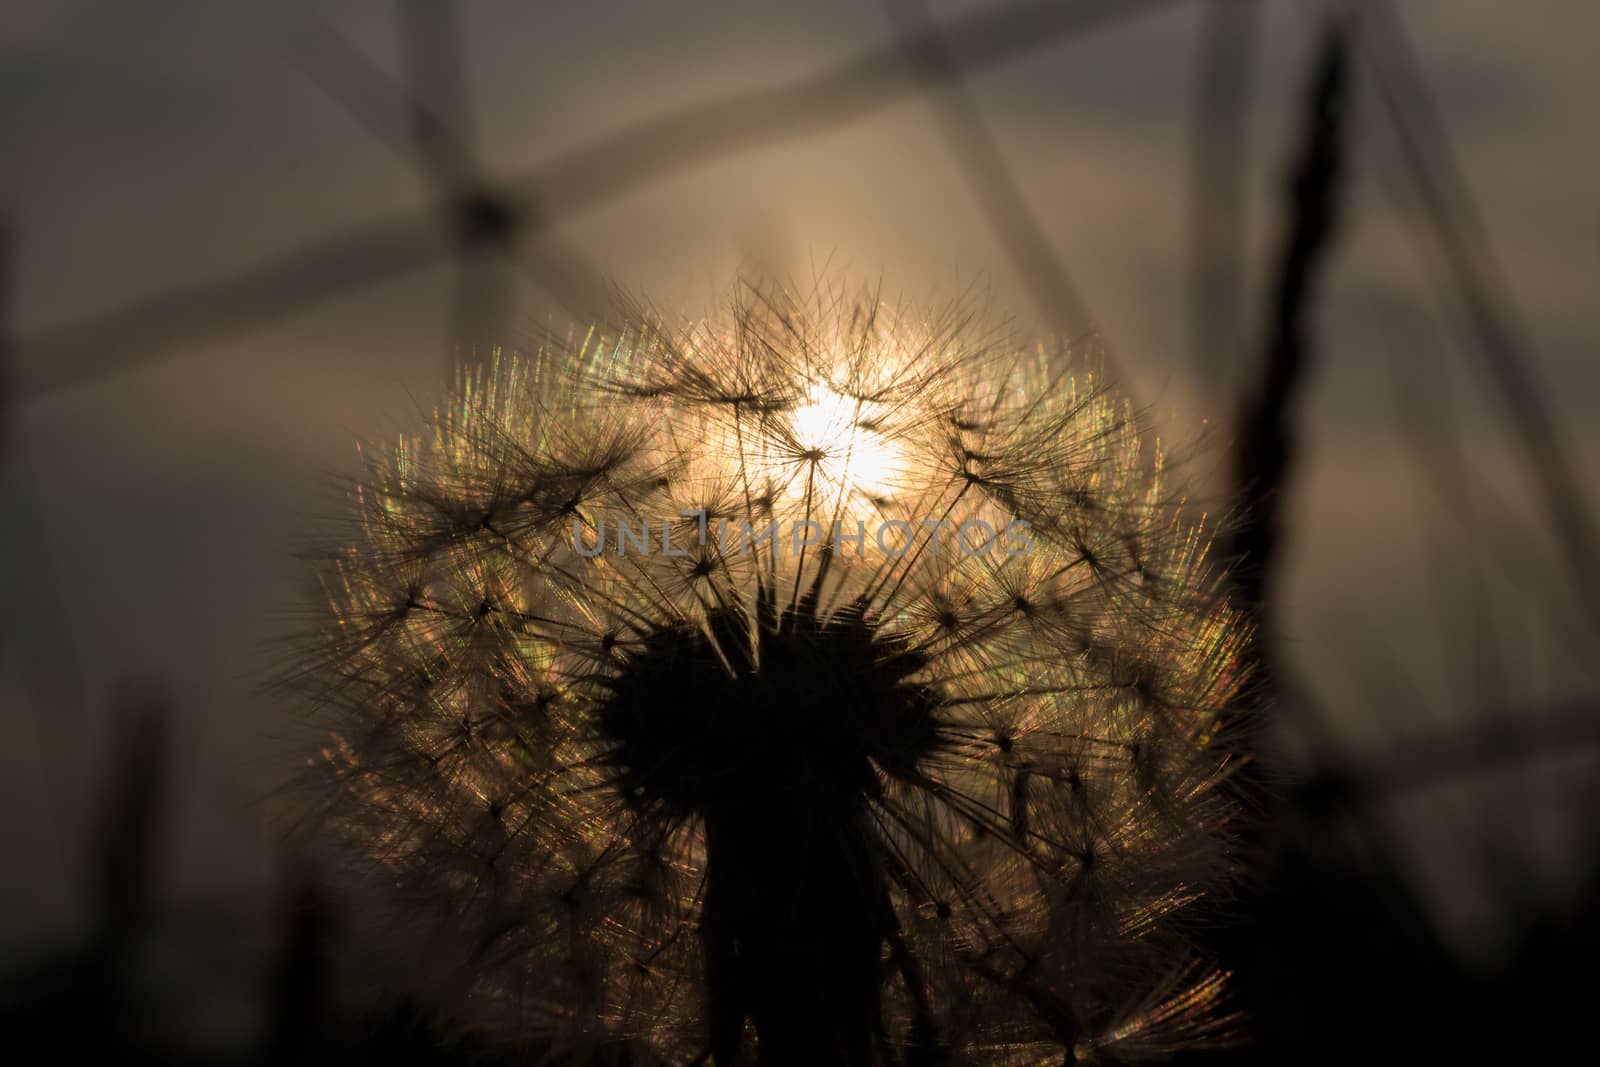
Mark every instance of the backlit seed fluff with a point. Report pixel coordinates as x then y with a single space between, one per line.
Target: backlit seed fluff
818 683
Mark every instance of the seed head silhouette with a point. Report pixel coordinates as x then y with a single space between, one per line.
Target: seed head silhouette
817 683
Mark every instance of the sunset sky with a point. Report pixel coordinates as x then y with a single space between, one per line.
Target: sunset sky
152 518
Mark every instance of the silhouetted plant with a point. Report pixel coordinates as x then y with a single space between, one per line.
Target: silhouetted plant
639 782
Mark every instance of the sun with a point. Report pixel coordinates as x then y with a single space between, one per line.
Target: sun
841 435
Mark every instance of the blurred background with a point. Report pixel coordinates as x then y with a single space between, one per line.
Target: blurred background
1345 255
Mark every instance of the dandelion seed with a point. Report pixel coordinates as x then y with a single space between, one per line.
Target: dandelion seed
846 798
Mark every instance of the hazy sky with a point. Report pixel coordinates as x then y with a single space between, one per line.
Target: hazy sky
156 514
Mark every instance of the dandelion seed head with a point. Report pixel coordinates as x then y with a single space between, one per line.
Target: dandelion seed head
939 767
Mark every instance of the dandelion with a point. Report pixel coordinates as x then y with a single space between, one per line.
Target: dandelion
932 780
